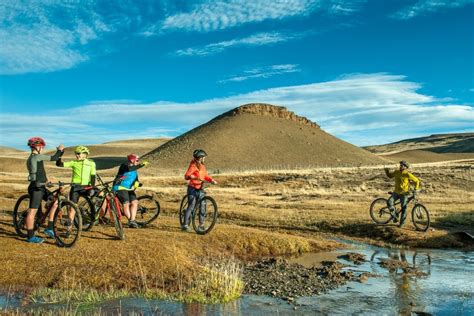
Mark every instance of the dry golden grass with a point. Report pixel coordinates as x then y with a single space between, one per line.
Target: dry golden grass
261 214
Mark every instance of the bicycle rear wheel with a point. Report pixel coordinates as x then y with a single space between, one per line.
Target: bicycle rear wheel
379 211
66 230
87 212
148 210
115 208
420 217
19 215
182 209
204 215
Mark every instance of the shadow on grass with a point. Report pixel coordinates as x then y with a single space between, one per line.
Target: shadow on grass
106 236
393 234
7 233
460 221
381 234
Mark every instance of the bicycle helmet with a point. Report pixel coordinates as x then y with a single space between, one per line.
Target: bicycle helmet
132 158
404 163
81 149
36 141
198 153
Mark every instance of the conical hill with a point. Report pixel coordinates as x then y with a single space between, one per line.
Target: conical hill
260 136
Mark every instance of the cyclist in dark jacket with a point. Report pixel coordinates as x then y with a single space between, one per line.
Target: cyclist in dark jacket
37 188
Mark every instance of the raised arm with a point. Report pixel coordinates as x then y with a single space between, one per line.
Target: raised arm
58 154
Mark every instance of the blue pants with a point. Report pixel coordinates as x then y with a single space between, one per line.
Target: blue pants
403 201
193 196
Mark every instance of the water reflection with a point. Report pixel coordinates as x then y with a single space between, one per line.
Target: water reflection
445 288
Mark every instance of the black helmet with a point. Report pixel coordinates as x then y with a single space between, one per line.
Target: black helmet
405 163
198 153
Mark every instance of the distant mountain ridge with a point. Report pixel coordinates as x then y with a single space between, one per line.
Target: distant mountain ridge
437 143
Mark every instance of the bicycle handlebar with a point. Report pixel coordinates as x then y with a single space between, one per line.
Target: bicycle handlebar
59 184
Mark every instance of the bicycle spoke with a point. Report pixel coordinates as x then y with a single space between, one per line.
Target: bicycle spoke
379 211
420 217
205 215
148 210
67 224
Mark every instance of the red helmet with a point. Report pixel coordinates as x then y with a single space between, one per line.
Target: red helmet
132 158
35 142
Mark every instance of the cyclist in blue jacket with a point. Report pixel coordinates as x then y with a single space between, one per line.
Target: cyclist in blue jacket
125 184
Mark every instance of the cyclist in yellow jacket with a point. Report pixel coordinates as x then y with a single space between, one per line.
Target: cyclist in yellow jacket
403 178
83 175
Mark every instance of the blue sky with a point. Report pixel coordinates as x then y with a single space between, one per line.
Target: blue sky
367 71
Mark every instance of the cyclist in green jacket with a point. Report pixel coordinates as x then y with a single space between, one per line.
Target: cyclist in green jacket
83 175
37 188
403 178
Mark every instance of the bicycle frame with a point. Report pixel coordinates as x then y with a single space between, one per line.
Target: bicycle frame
56 194
412 197
108 196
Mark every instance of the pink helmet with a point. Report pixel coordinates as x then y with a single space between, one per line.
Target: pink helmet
35 142
132 158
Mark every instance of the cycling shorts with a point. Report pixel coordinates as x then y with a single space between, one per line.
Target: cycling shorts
76 191
37 194
126 196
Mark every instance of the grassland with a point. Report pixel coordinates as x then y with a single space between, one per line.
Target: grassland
262 214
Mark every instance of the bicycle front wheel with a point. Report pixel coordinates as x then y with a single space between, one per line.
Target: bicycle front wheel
182 209
20 211
115 208
379 211
87 212
420 217
148 210
67 224
204 215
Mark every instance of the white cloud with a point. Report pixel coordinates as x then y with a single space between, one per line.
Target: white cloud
359 108
263 72
259 39
35 39
428 6
46 36
218 15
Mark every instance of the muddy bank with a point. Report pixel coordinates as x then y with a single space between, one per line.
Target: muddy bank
280 278
288 280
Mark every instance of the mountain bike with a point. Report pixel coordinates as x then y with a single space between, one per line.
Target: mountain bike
106 195
67 231
148 208
380 213
203 215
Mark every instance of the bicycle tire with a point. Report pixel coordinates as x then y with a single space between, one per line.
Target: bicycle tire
148 210
67 233
182 209
117 223
204 221
420 217
87 209
379 211
20 211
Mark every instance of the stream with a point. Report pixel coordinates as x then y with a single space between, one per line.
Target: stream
446 287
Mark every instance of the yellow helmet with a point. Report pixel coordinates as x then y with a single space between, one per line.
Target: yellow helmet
81 149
